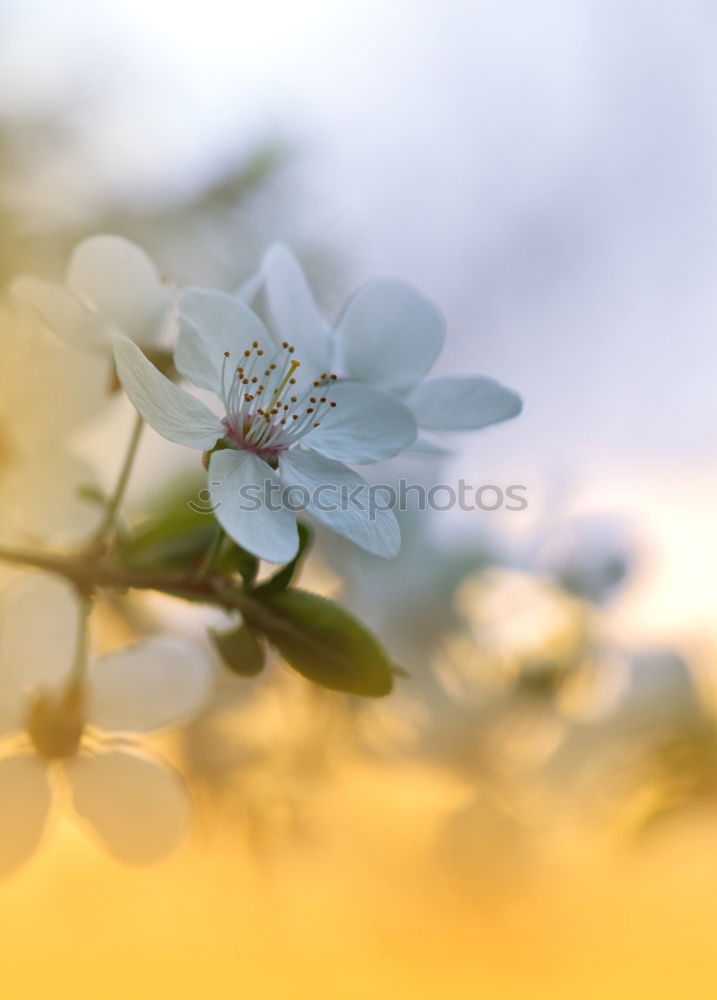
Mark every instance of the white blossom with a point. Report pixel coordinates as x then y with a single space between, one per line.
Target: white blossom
280 425
388 336
83 737
110 287
46 394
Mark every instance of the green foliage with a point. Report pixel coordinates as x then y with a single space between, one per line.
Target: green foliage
240 650
178 535
238 560
170 542
283 577
322 642
314 635
91 493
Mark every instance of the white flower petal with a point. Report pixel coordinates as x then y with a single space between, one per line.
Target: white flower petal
122 283
389 335
41 501
36 367
172 412
238 484
39 621
292 309
212 323
72 321
139 808
25 800
462 403
424 446
153 684
366 425
344 502
251 289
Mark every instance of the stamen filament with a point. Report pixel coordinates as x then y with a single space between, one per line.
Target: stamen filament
256 411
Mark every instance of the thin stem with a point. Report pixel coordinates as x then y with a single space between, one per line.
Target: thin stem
79 662
117 497
211 559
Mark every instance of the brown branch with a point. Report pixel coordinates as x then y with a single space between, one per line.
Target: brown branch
88 575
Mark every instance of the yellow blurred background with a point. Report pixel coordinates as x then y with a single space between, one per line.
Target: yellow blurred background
364 912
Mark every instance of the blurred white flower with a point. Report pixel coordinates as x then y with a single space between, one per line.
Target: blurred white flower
46 392
56 733
271 411
589 556
111 287
388 336
523 625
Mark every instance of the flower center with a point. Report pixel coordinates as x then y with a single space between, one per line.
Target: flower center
265 413
55 723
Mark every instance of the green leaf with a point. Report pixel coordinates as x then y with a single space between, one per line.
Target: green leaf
86 491
175 536
238 560
174 543
240 650
323 642
283 577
